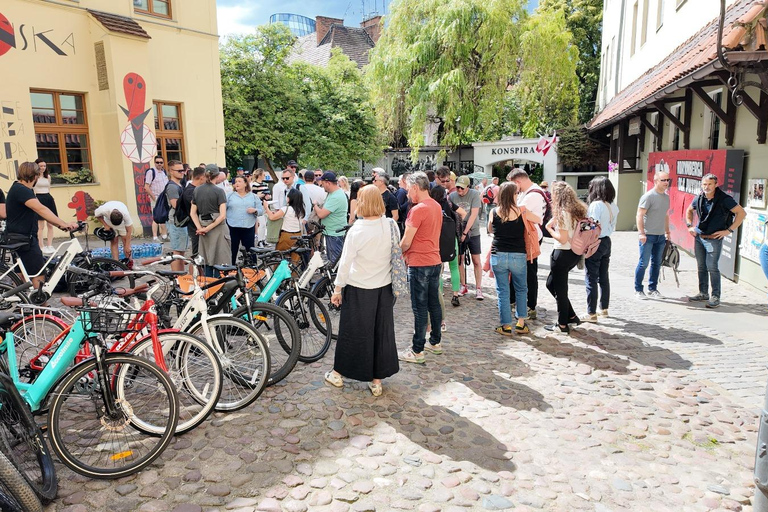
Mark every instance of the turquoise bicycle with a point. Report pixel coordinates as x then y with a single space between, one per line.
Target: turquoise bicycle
104 414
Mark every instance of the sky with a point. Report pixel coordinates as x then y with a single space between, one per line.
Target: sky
243 16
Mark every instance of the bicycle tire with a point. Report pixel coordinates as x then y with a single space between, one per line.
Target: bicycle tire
12 278
23 443
195 369
281 333
73 437
30 336
8 303
78 284
17 491
323 290
313 321
244 360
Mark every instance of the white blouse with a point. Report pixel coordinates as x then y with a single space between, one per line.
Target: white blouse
291 223
568 221
43 185
365 260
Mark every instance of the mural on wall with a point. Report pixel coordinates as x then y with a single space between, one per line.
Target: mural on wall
34 39
686 168
753 233
402 163
138 141
11 128
83 204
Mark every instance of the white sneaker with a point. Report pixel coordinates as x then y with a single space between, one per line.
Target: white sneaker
591 318
640 295
603 312
479 294
655 294
155 239
164 237
409 356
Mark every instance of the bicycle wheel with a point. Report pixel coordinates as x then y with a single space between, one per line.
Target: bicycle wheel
16 493
194 368
314 323
244 360
323 289
23 443
91 441
8 303
30 336
78 284
12 278
281 333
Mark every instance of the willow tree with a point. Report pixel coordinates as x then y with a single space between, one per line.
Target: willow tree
546 92
446 61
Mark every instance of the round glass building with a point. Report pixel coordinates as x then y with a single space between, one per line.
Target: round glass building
299 25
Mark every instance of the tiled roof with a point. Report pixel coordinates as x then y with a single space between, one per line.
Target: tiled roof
694 54
354 42
121 24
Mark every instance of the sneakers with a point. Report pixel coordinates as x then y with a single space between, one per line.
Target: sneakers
443 327
409 356
603 312
640 295
655 294
504 330
522 329
455 301
713 302
591 318
164 237
463 291
48 250
479 294
155 239
433 349
532 314
557 328
699 297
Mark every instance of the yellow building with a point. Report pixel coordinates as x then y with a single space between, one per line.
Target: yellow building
105 85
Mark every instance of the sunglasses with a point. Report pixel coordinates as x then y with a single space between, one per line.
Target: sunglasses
459 188
158 162
286 179
666 180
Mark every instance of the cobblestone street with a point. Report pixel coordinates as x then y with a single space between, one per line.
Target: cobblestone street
653 409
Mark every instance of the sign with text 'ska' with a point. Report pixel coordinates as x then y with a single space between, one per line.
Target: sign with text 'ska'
686 168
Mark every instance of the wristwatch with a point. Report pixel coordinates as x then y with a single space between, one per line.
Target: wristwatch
730 230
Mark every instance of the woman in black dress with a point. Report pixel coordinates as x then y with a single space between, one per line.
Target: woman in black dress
43 192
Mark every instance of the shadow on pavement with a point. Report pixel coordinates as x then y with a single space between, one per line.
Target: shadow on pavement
632 348
553 346
658 332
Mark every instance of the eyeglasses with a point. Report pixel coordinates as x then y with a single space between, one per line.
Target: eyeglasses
447 180
459 188
286 179
158 162
666 180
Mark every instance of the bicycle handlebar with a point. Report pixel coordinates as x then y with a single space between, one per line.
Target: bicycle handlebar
20 288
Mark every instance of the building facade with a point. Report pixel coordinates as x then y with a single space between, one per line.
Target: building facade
299 25
105 85
668 103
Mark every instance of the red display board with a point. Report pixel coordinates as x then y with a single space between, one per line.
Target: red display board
686 169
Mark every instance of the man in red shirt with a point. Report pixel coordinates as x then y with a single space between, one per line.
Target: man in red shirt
421 249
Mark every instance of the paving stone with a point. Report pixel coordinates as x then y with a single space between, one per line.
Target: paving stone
495 502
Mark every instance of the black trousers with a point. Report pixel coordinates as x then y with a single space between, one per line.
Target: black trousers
561 263
533 285
245 235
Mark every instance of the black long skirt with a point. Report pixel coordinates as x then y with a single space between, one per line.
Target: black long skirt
366 348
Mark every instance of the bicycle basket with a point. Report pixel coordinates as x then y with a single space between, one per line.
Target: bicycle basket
107 321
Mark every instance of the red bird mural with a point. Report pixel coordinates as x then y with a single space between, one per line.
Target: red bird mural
135 90
83 204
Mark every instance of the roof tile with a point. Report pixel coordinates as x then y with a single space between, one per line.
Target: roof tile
117 23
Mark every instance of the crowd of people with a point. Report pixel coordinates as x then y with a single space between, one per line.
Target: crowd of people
426 220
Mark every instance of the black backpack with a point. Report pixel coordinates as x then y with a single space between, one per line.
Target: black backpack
448 239
181 214
162 209
547 212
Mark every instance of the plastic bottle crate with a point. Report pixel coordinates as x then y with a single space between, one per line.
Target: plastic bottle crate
140 251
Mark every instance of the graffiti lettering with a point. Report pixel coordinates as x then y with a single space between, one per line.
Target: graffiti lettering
690 168
30 37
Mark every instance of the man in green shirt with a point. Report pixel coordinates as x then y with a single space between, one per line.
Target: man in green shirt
333 213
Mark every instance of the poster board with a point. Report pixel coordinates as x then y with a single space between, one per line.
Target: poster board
753 233
686 168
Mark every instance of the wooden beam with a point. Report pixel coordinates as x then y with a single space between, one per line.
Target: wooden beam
666 113
709 102
687 116
620 148
641 136
750 105
728 116
660 128
730 121
649 126
762 119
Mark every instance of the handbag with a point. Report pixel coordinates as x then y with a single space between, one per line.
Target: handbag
399 271
273 230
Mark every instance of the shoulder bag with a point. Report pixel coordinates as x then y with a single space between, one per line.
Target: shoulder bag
399 271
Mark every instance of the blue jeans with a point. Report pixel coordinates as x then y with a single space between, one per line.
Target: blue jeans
505 264
333 247
425 285
651 251
597 274
764 258
707 254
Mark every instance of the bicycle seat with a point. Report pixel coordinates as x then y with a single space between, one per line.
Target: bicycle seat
15 246
299 250
225 268
260 250
170 273
75 302
7 319
127 292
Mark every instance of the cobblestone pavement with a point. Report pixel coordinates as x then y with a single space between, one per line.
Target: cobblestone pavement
654 408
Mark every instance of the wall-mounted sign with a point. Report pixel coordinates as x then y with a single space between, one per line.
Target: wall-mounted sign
634 126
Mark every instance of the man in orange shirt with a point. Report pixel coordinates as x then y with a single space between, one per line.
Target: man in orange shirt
421 249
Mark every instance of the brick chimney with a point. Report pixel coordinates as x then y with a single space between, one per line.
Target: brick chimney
373 27
323 25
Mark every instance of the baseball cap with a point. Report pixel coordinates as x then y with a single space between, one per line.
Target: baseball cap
462 181
239 168
328 176
291 163
309 175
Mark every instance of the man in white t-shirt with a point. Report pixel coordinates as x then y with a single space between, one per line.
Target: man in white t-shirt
534 199
155 180
312 194
114 216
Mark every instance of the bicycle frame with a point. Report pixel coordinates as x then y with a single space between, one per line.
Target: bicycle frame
71 247
282 272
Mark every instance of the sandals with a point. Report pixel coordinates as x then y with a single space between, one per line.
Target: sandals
334 379
375 388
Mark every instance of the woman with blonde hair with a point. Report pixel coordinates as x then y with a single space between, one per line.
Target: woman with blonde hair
366 349
506 223
567 211
344 184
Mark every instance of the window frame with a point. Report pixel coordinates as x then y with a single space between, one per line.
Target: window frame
161 133
633 42
644 24
150 11
62 130
659 15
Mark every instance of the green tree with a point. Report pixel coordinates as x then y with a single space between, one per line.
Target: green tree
546 92
317 116
444 60
584 19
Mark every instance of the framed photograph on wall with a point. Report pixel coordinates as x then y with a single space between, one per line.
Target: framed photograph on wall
756 193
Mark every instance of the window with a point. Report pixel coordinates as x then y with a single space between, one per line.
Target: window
676 110
644 33
61 131
679 3
659 14
169 130
634 30
714 122
655 122
155 7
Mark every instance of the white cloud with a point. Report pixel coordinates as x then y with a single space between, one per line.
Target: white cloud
236 19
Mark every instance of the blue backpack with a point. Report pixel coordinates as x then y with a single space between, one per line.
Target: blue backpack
162 209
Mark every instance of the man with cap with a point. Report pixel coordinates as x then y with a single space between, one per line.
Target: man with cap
333 214
240 172
469 199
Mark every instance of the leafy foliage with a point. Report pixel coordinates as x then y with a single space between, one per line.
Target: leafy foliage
576 149
281 111
83 175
